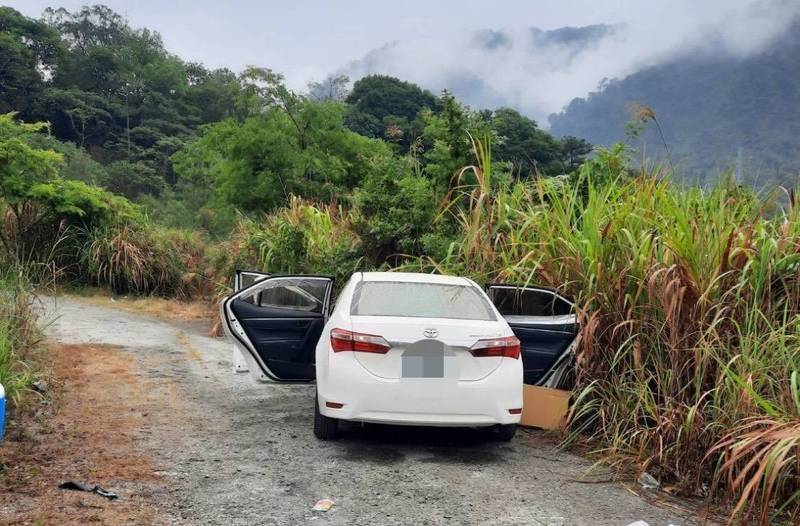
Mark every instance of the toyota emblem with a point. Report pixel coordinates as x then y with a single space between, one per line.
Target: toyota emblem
431 333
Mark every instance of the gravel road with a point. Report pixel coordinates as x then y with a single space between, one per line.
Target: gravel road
240 452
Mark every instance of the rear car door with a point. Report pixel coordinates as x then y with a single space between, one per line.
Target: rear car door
276 322
546 326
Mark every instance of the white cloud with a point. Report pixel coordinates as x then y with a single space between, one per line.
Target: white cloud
541 77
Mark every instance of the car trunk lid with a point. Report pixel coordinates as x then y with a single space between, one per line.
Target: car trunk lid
430 348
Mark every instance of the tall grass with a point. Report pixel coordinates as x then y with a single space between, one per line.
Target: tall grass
144 259
302 238
19 333
689 311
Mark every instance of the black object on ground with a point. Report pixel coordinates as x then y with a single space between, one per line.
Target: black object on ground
77 486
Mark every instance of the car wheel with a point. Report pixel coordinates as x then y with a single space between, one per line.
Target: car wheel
505 433
325 428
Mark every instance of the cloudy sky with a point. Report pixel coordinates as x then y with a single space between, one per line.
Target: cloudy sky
432 42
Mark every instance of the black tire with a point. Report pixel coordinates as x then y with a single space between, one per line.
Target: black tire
505 433
325 428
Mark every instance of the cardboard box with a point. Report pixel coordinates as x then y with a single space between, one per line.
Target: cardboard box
543 407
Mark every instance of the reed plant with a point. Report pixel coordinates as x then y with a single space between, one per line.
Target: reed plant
19 332
689 309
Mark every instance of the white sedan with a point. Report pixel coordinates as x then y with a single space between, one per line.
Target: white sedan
402 348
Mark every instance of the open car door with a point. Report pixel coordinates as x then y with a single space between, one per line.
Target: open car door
276 322
243 279
547 327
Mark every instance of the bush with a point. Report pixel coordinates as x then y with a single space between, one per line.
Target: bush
18 331
393 208
300 239
143 259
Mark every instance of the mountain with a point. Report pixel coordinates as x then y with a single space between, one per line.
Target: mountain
492 68
717 110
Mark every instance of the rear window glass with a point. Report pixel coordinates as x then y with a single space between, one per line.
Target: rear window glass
420 300
514 301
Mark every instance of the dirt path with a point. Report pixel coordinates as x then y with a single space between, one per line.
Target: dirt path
214 447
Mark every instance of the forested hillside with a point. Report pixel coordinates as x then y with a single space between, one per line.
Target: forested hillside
717 111
196 145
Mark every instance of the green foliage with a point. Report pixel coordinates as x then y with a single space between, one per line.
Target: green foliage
76 163
22 165
530 150
292 149
18 331
688 303
142 258
393 208
447 143
380 106
25 45
301 238
110 89
117 94
133 179
81 204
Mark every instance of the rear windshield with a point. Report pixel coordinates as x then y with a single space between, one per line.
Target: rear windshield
420 300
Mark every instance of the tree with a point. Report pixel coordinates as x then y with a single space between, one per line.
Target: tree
22 165
573 152
133 179
334 87
28 49
295 146
447 140
394 208
379 102
520 142
38 200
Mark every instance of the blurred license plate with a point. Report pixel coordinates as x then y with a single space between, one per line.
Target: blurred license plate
425 361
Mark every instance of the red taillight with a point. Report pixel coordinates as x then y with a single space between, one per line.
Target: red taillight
508 347
344 340
334 405
516 411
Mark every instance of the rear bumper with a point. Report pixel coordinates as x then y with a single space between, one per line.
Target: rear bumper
420 401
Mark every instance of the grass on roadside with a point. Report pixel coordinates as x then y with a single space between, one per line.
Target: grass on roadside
19 333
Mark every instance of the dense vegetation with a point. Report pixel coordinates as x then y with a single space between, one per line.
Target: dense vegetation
126 115
688 298
717 110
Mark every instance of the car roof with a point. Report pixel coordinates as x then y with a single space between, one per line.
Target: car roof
414 277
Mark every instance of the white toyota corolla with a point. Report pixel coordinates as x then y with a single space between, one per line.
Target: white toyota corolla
402 348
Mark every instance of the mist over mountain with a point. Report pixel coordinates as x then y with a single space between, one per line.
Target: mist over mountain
540 71
532 53
718 111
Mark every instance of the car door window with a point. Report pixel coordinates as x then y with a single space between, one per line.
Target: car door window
245 279
543 321
294 294
533 302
